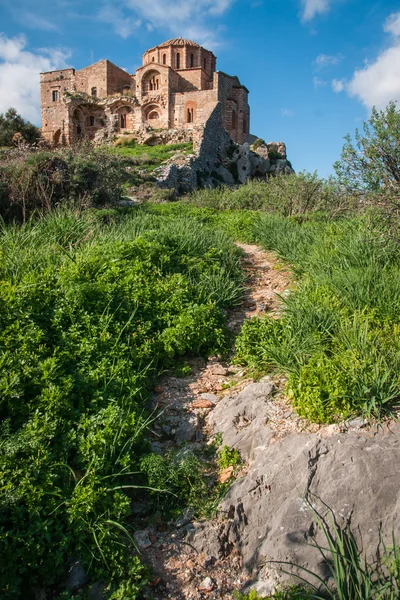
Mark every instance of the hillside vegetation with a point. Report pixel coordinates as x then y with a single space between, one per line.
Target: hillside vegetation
95 303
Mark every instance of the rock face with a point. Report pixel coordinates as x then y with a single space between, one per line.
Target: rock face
220 161
267 517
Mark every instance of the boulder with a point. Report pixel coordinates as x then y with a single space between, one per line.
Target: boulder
268 515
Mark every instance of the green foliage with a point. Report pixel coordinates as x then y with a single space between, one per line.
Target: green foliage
370 166
92 307
40 181
228 457
259 142
287 195
11 123
150 157
290 593
338 337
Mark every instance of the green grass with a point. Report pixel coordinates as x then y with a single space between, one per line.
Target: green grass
150 157
92 307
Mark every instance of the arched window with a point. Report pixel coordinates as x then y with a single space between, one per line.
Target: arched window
205 64
151 81
178 61
192 60
123 121
164 59
154 115
190 112
234 119
94 92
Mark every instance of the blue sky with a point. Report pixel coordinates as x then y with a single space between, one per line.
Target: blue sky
314 67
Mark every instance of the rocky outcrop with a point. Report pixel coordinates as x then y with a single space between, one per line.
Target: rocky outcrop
267 512
220 161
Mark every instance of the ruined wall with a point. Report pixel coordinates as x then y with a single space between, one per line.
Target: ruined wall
117 79
105 77
199 100
94 76
234 98
54 112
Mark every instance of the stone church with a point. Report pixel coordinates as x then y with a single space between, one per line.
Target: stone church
176 88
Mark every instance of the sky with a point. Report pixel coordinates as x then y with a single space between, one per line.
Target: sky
314 68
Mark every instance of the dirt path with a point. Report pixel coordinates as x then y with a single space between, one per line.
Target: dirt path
185 403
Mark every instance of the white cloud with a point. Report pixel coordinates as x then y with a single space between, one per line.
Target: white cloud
286 112
318 82
379 82
325 60
338 85
312 8
19 74
188 18
392 24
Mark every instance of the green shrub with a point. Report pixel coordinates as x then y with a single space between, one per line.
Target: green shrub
40 181
91 309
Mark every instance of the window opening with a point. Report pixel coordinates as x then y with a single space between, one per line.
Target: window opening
234 119
164 59
192 60
190 115
178 61
56 95
123 121
91 121
94 92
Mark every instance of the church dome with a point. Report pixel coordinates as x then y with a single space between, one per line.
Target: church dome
178 42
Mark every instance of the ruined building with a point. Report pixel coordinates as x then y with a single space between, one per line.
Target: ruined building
176 88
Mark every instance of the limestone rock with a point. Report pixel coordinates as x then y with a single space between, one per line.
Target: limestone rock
266 515
142 539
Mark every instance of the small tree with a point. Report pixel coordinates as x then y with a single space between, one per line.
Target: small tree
11 123
370 167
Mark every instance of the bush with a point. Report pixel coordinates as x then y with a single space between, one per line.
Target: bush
288 195
92 306
370 167
40 181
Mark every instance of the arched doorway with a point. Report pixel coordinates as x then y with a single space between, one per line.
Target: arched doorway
57 137
152 115
125 118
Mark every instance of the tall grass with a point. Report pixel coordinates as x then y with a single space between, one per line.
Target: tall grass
339 338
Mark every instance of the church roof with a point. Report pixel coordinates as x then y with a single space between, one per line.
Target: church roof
176 42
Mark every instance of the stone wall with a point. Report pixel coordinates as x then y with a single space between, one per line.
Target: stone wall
219 160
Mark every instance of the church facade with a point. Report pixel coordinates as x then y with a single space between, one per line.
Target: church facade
176 88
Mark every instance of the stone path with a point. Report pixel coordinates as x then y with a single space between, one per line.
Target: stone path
183 572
